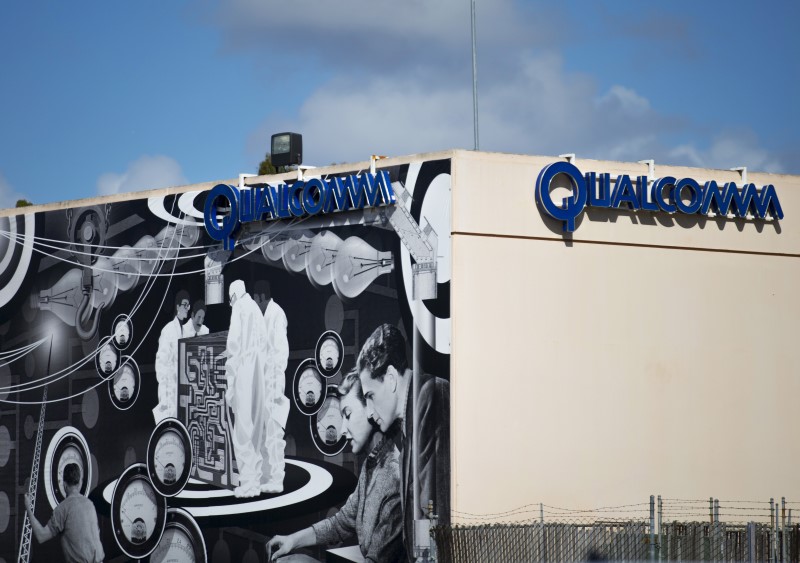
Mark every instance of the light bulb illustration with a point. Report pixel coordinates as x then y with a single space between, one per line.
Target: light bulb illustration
252 239
320 258
123 262
275 247
146 255
356 266
104 283
87 228
64 298
294 259
172 237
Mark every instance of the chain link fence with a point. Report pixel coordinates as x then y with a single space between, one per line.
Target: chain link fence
757 531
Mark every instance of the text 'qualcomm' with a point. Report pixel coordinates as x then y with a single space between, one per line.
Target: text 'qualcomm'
666 194
300 199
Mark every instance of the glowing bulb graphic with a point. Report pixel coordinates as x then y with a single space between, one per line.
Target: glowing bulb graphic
123 262
104 283
146 255
275 247
172 237
320 258
64 298
294 258
252 240
356 266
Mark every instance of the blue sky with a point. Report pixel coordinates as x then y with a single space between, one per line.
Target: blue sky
102 97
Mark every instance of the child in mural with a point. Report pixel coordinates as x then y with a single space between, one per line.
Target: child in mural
194 326
273 447
387 384
371 516
74 520
167 360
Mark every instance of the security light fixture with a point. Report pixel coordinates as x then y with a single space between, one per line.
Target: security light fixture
287 149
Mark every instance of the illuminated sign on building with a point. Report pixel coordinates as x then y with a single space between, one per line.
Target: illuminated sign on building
285 201
665 194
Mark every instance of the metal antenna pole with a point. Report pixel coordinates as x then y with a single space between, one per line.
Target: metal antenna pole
474 80
27 530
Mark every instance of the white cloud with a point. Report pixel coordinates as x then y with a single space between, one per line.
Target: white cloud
625 99
8 196
400 84
728 150
543 109
145 173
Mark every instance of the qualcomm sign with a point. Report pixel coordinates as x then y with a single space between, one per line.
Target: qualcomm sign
300 199
666 194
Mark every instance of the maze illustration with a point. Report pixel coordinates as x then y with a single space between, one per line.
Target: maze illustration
202 408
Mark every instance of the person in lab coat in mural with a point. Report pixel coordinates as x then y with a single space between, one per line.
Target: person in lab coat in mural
273 445
194 326
167 360
256 399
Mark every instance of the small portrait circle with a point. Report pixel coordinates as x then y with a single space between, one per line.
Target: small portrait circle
309 389
106 358
329 353
326 425
123 332
124 385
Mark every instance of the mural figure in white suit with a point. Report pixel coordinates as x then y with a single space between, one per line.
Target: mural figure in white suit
167 360
272 449
247 360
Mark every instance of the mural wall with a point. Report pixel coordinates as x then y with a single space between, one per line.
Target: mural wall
288 396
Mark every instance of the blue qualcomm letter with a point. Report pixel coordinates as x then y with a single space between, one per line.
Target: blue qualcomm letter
570 207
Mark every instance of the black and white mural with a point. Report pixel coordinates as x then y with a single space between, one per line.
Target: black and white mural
163 398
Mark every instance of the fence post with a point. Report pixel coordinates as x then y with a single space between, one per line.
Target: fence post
652 528
658 544
711 509
783 528
541 533
772 528
751 542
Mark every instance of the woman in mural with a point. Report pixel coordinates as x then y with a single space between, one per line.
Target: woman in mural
371 516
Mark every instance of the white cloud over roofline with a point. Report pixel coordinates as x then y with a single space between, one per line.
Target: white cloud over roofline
145 173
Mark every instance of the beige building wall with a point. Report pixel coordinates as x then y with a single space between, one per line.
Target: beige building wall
644 354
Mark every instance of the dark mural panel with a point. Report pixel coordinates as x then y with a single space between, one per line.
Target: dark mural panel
216 404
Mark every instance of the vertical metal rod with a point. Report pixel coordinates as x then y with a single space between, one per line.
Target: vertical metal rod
474 79
652 528
542 550
413 398
771 512
660 514
711 509
716 510
783 528
773 555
